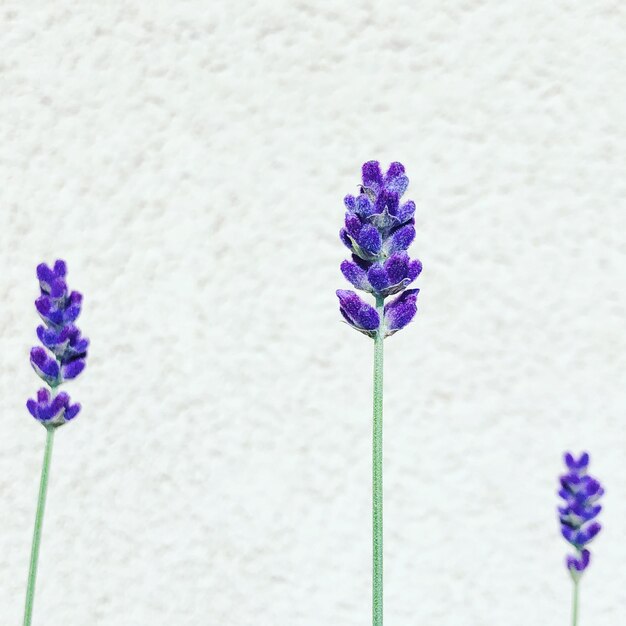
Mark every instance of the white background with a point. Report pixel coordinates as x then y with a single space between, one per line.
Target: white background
189 160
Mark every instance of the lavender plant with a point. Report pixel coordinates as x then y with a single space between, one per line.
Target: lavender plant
61 359
378 230
580 493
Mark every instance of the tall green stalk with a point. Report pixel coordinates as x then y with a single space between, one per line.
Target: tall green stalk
575 604
377 475
41 505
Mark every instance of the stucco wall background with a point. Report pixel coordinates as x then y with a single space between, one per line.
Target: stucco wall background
188 160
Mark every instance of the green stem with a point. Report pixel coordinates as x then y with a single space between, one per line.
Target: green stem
41 505
575 604
377 475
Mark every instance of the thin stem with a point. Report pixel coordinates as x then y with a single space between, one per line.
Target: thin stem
41 505
377 475
575 604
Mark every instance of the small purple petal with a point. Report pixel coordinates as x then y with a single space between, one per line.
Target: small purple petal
395 169
368 318
349 301
399 312
350 202
357 313
369 239
364 207
576 464
60 268
406 211
402 238
395 179
353 225
568 533
387 200
57 289
49 337
585 560
72 411
354 274
378 277
45 274
578 565
43 304
46 368
49 311
372 176
31 405
343 235
587 534
415 269
397 266
72 369
73 310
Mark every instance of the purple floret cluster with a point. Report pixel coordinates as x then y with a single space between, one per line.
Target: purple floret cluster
580 493
64 353
379 228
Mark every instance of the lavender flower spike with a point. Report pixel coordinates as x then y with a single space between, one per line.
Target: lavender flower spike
577 515
378 229
61 358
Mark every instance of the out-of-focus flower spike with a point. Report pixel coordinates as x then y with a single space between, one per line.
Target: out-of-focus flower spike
577 514
59 310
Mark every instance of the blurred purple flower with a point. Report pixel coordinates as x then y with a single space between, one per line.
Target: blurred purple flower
54 411
580 493
65 350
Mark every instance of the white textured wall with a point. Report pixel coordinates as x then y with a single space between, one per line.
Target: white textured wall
189 160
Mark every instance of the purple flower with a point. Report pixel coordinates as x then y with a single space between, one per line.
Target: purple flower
578 565
580 493
400 311
53 411
66 344
378 230
63 356
360 315
47 368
